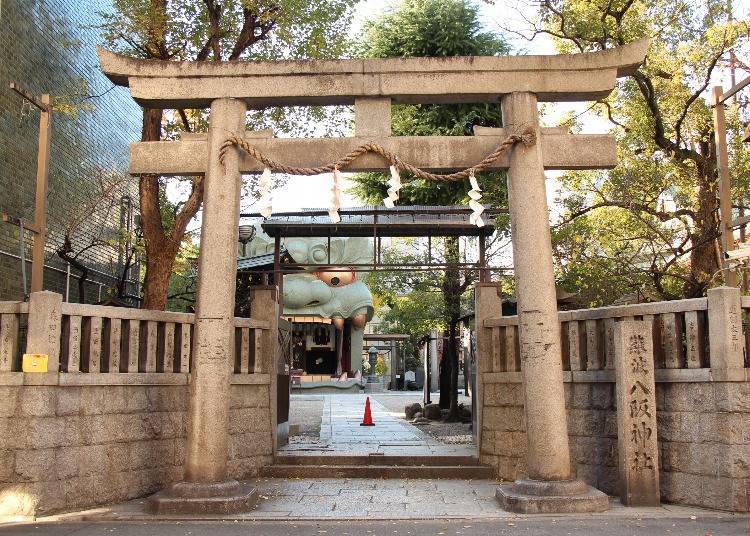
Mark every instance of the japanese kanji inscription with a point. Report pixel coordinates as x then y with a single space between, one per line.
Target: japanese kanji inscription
636 414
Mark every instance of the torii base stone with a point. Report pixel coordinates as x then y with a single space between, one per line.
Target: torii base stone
229 497
550 497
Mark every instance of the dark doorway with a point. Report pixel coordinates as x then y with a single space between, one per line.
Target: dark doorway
320 361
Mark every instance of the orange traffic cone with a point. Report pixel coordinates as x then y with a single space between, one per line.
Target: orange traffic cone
367 421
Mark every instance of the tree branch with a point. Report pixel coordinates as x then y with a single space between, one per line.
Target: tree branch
188 210
697 93
632 206
248 36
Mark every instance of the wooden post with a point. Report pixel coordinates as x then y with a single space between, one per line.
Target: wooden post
394 364
39 227
725 192
484 274
40 202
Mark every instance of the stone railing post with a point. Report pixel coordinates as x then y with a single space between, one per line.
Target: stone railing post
725 338
45 325
487 304
264 306
549 487
206 488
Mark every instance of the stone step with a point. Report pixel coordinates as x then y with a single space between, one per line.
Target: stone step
377 459
458 472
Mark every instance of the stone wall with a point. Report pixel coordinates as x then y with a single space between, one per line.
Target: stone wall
703 433
66 447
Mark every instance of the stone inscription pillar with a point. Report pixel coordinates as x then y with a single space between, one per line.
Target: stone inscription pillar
539 332
45 325
726 339
206 488
637 449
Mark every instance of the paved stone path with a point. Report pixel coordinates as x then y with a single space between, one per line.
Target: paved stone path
375 499
341 433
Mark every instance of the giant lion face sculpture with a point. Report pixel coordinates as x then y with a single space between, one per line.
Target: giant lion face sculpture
333 290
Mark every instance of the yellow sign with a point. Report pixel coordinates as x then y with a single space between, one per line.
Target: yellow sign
34 363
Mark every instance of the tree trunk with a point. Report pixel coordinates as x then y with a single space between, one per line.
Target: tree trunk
452 297
453 415
703 260
445 378
156 280
159 255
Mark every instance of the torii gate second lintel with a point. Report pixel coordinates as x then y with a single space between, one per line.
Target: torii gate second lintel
373 85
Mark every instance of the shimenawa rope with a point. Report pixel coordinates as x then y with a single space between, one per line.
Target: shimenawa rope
528 137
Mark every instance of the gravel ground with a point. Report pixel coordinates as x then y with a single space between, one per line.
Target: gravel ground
398 401
452 433
306 411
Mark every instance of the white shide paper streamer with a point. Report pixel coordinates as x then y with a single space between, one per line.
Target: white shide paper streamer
394 184
333 209
266 199
475 194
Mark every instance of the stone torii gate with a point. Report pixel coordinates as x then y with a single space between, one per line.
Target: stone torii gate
517 83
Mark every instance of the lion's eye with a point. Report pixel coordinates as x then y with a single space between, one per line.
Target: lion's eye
337 278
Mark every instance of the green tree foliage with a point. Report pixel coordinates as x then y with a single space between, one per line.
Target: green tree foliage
209 30
381 369
648 228
415 28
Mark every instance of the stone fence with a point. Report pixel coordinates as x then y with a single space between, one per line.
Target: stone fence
700 353
96 339
107 422
683 338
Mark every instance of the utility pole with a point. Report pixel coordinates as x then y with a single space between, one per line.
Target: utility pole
725 193
733 82
39 226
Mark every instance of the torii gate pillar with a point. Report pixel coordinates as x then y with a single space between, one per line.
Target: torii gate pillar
549 487
205 488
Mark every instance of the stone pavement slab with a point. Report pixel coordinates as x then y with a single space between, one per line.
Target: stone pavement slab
342 435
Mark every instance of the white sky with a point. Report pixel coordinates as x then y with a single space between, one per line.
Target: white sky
308 192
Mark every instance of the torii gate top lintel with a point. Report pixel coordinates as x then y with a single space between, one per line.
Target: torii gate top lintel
372 85
569 77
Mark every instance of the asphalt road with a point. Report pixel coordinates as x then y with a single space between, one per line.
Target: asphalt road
536 527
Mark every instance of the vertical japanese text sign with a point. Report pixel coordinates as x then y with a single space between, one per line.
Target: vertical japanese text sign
638 450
